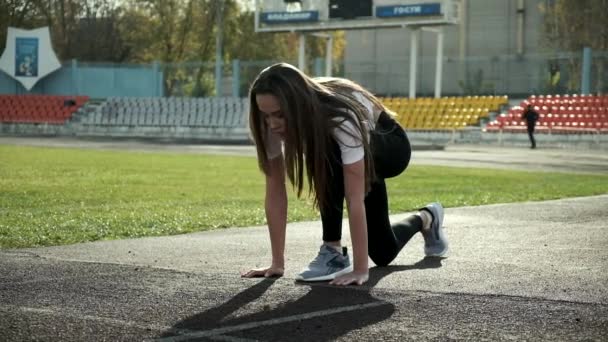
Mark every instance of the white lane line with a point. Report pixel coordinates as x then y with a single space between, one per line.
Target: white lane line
62 313
230 339
245 326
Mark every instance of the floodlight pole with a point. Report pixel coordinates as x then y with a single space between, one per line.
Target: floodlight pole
439 62
586 71
329 46
218 48
438 59
413 60
302 52
328 55
256 16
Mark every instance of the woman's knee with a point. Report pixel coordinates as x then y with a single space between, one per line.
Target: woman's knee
381 259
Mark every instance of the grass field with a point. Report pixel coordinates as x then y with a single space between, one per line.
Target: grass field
51 196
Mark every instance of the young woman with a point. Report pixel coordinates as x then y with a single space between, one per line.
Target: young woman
345 142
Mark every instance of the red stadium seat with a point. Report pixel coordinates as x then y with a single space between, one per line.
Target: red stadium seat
560 113
38 108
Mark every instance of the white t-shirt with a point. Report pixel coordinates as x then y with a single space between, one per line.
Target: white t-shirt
351 146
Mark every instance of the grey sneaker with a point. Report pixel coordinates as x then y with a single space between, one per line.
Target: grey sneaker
435 243
328 264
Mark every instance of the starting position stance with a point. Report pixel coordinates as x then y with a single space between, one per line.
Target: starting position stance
345 142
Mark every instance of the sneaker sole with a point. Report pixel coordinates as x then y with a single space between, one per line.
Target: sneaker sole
327 276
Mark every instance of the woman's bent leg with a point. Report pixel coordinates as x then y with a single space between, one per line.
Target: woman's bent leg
386 240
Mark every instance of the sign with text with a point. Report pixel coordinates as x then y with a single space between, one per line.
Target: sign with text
428 9
289 17
329 15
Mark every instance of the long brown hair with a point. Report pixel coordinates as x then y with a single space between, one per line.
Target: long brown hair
312 109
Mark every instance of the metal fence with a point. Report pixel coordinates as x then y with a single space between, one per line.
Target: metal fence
515 76
96 80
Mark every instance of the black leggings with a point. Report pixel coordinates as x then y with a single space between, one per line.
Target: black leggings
531 134
391 153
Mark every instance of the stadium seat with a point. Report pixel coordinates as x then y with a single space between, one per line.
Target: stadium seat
560 114
224 112
444 113
36 109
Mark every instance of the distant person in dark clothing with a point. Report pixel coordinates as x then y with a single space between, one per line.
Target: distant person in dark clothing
531 116
69 103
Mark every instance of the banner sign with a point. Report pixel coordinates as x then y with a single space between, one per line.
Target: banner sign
28 55
289 17
408 10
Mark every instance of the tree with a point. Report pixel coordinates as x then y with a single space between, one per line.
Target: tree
20 14
100 19
72 23
267 47
571 25
180 34
165 31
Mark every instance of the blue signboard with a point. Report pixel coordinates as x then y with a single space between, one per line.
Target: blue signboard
26 57
289 17
408 10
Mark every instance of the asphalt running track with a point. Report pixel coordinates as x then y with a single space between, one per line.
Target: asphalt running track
524 271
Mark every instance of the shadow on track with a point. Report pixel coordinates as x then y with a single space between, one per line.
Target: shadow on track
324 313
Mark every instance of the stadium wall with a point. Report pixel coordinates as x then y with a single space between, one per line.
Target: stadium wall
94 80
486 40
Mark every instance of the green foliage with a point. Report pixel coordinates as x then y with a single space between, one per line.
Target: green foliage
88 30
203 86
180 34
61 196
571 25
475 84
26 15
142 31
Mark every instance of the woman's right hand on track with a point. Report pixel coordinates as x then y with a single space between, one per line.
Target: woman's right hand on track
266 272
